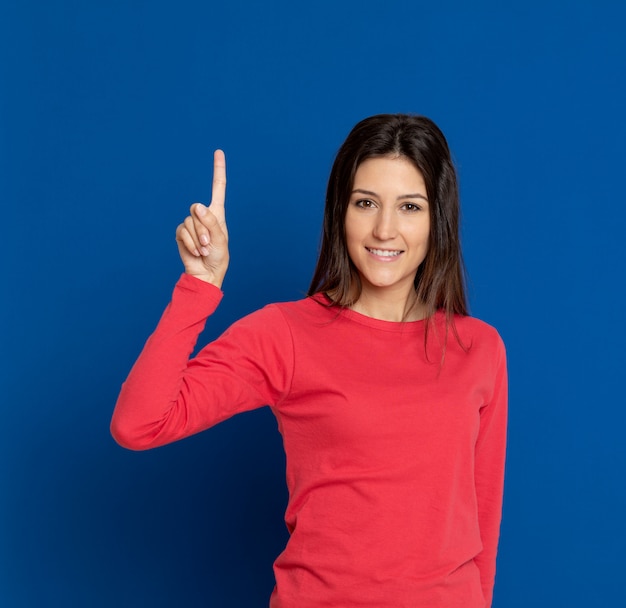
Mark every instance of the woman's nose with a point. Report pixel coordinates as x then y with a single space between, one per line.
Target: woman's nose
385 226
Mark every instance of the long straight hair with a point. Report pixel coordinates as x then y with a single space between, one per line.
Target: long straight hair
440 279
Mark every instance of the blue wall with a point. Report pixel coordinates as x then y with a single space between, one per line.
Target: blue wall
109 112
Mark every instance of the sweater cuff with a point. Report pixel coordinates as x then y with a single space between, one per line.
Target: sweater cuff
199 291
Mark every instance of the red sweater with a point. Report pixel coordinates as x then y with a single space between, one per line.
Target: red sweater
395 463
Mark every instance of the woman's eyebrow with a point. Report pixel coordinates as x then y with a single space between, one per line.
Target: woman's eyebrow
370 193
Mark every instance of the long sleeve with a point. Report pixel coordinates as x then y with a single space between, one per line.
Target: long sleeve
167 396
489 473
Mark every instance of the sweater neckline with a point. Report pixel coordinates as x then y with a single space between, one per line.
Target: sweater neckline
360 318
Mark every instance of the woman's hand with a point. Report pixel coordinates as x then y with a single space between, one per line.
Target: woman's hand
202 238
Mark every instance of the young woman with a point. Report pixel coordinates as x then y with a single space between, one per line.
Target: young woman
391 401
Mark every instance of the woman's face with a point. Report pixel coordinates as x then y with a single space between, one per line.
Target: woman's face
387 224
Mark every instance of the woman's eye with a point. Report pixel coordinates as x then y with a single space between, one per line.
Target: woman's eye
365 204
411 207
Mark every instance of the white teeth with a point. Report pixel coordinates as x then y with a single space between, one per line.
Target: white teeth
384 252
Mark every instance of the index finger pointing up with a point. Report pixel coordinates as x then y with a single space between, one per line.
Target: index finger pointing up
218 193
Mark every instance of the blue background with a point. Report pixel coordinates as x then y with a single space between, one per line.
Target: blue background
109 112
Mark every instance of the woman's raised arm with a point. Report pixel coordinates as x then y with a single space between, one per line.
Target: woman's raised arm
146 410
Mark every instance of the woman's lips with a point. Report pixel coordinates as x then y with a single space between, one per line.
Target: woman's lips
386 255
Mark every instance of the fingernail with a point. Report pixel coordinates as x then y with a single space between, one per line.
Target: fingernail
196 253
204 251
204 239
200 209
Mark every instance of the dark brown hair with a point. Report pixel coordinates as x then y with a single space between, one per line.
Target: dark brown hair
439 281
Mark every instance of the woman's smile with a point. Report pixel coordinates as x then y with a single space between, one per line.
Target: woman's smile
384 253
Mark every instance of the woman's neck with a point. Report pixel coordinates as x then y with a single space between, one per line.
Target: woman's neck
390 307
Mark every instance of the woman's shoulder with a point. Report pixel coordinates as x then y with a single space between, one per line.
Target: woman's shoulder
475 331
475 324
309 309
300 310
